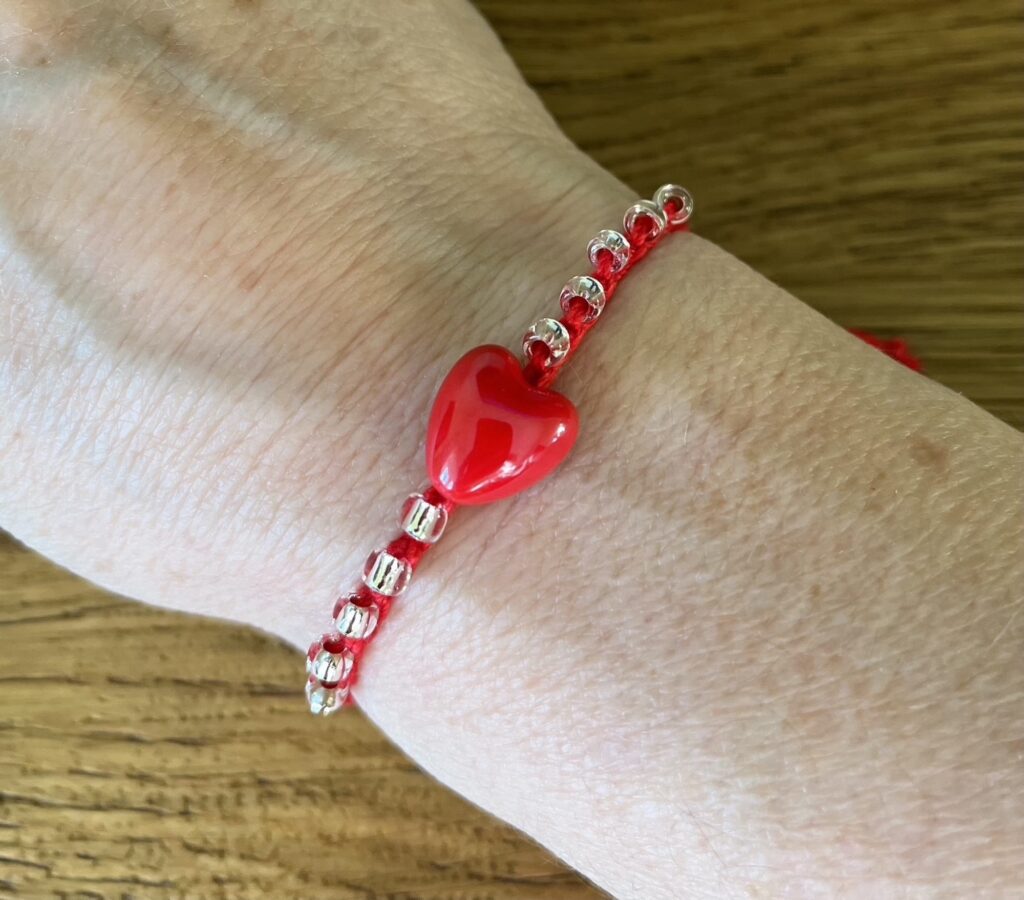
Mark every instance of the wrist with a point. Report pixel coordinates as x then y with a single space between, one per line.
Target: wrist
669 629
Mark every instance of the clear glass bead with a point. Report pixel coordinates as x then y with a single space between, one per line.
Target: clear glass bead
355 621
331 667
552 333
678 197
324 700
615 244
645 209
386 574
422 520
588 289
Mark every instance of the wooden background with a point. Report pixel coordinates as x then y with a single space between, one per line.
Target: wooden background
865 154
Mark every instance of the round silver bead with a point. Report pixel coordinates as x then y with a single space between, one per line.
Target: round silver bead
422 520
613 242
586 288
673 193
324 700
356 621
642 208
553 334
386 574
329 667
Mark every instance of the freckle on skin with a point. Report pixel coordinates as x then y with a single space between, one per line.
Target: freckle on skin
28 53
929 454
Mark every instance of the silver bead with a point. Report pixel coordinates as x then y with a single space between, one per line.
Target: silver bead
615 243
330 667
325 700
386 574
422 520
356 621
552 333
586 288
659 221
673 192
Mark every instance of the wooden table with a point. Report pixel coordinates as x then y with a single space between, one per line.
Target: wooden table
866 155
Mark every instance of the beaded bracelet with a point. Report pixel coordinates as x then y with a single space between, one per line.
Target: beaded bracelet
496 428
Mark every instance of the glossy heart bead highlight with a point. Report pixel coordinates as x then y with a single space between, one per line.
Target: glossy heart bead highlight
491 433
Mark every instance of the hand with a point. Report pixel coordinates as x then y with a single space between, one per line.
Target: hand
758 633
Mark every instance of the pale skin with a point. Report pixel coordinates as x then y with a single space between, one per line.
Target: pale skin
759 636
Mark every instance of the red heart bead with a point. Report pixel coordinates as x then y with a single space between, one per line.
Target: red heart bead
492 434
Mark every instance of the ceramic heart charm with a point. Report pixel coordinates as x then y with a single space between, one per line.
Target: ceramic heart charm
491 433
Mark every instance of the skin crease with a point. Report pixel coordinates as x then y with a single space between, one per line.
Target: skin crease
758 637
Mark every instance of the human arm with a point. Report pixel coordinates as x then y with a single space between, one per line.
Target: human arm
232 289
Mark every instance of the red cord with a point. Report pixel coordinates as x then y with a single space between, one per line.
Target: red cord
896 348
401 546
641 241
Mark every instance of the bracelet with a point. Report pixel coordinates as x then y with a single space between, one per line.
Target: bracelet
496 428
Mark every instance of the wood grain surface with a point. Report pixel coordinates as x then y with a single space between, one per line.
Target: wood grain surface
867 155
